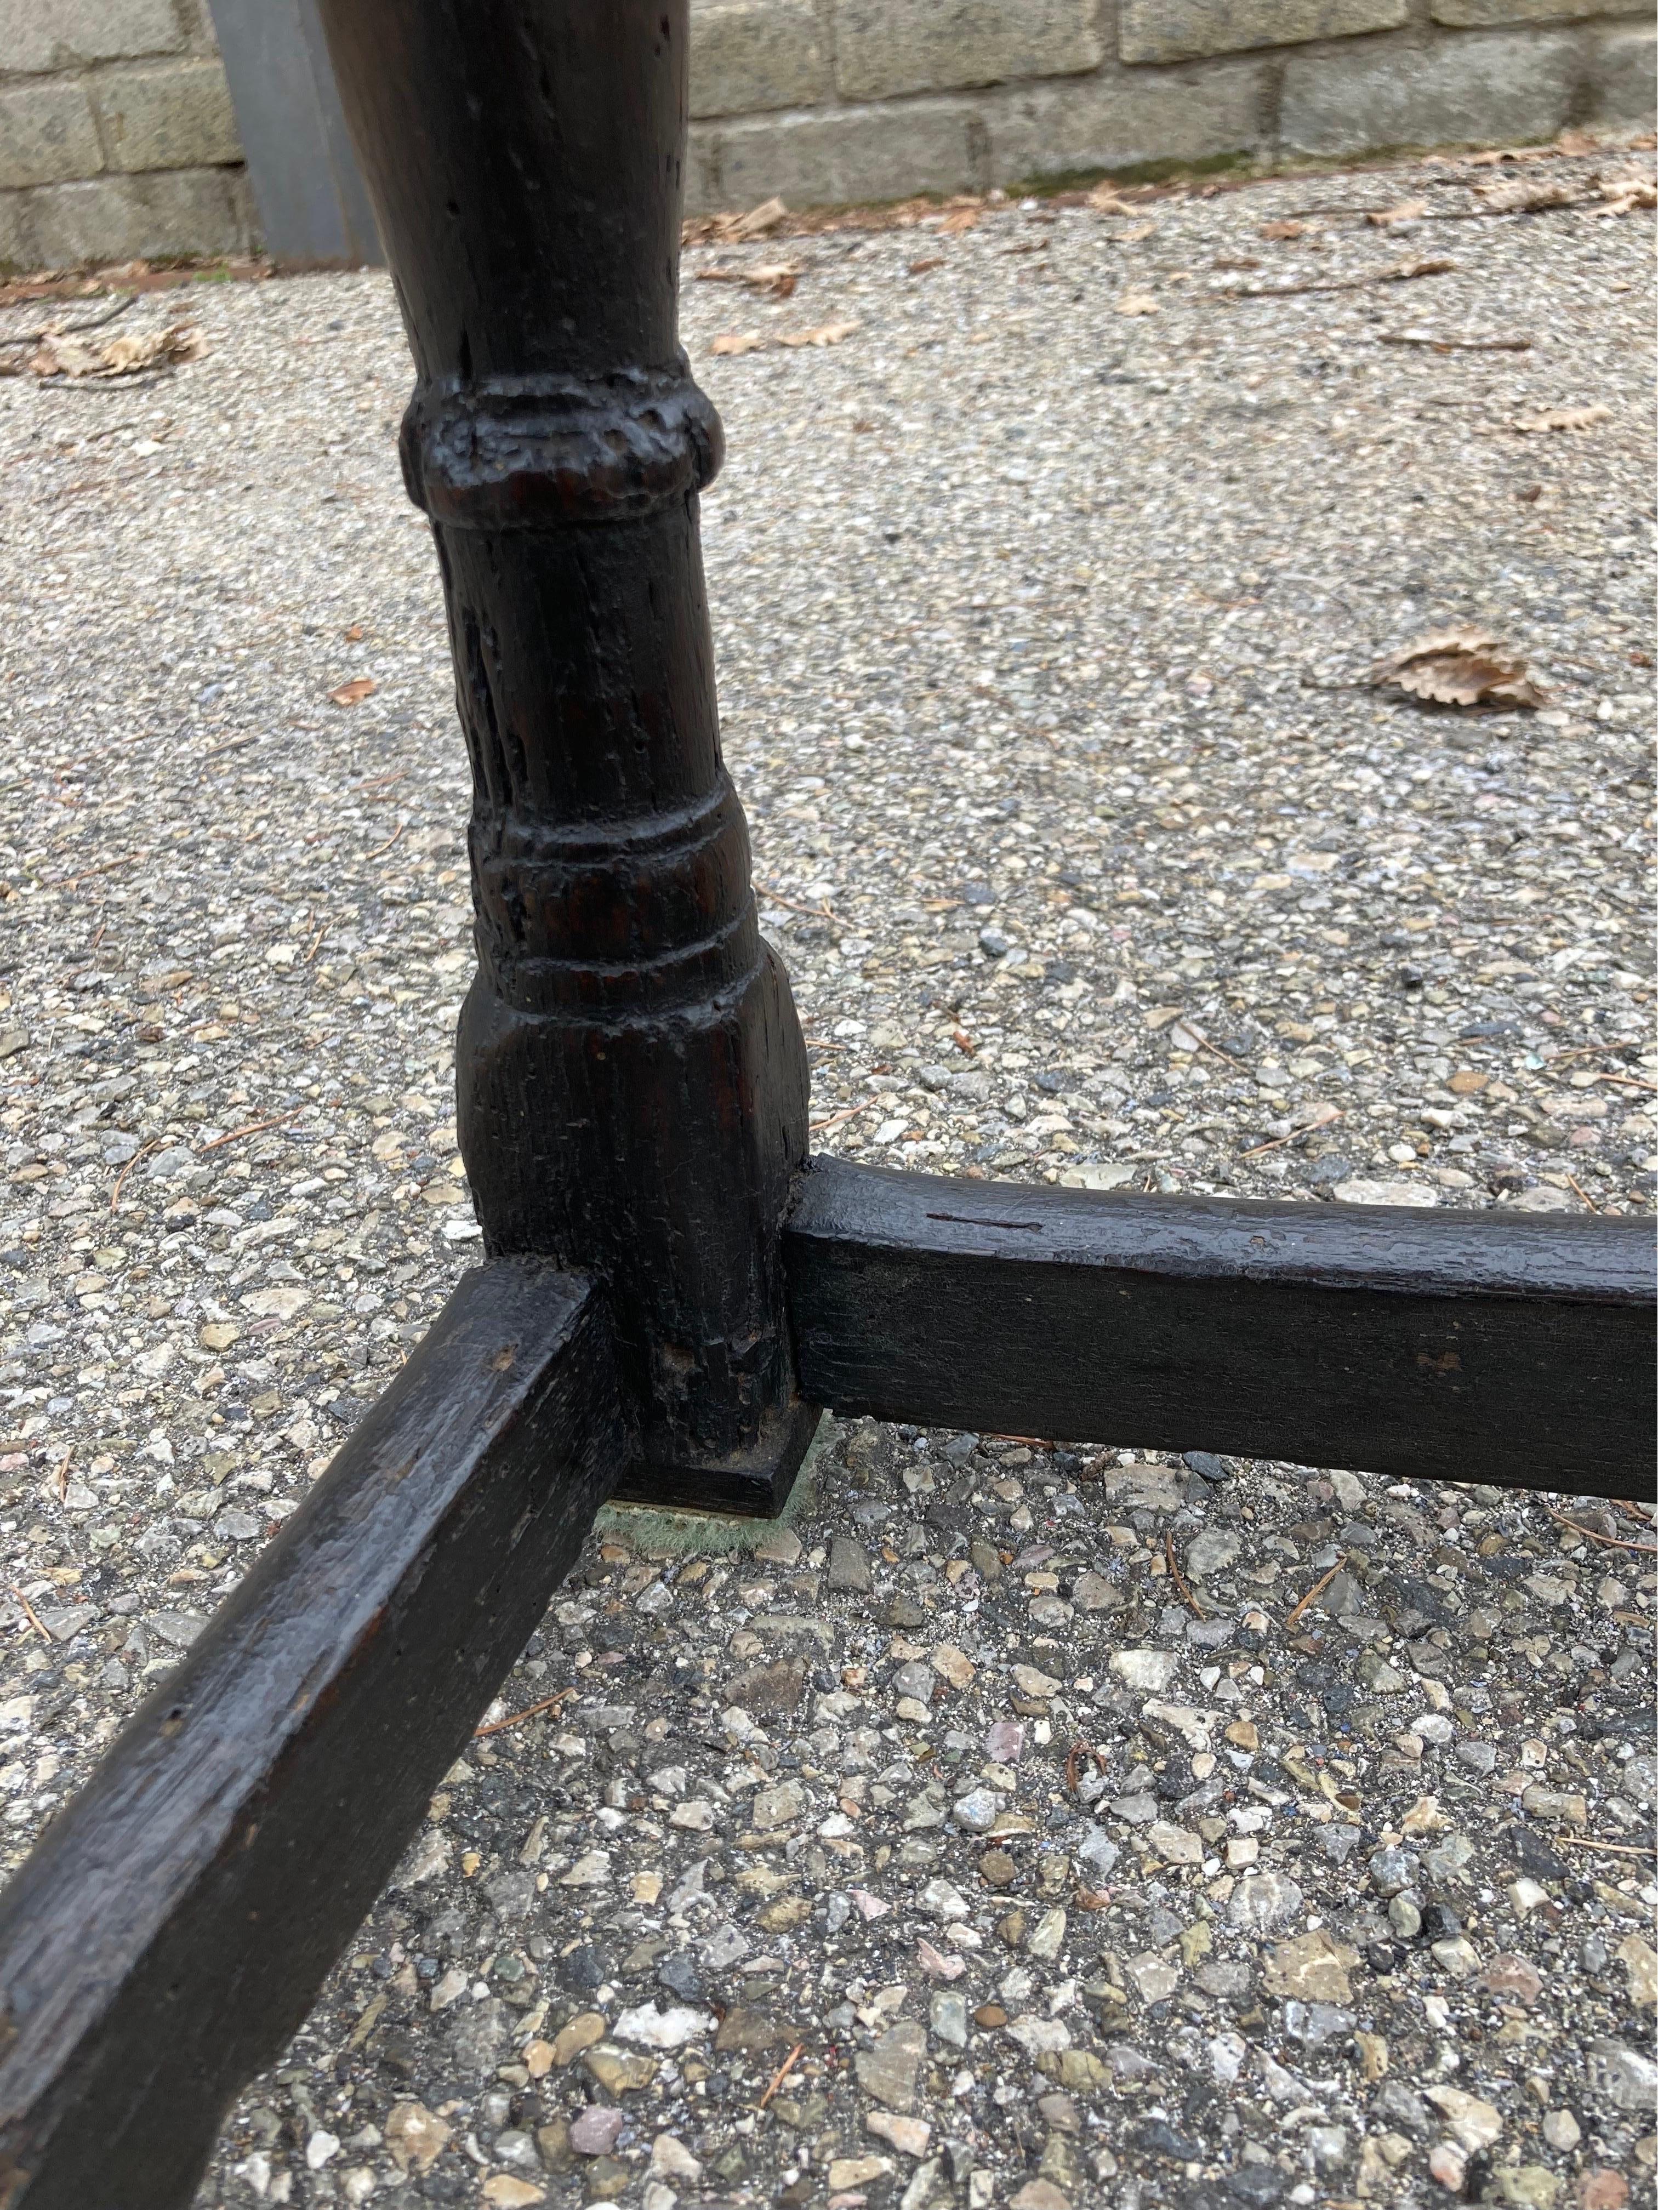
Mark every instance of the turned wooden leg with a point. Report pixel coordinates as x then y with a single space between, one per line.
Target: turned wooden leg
632 1076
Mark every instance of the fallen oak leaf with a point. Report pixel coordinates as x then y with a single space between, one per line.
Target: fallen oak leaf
1527 195
62 355
960 220
1562 418
1133 234
1630 189
778 278
1459 668
823 334
1106 200
354 693
1407 211
1285 227
1137 303
756 223
731 341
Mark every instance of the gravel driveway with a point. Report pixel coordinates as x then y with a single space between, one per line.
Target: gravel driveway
946 1847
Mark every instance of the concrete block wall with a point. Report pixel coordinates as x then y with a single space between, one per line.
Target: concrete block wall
117 141
825 100
117 138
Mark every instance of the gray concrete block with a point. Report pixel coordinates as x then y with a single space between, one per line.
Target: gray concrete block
1176 30
52 34
1465 15
844 156
1118 122
1623 66
750 55
167 115
883 47
1457 92
125 218
16 235
47 133
702 193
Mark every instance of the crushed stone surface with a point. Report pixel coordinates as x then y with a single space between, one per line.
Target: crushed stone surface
940 1851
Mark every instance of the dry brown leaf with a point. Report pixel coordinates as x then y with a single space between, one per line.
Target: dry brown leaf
1562 418
928 261
1133 234
958 220
779 278
1527 195
736 342
1630 189
354 693
60 355
823 334
1576 141
1106 200
1288 228
1137 303
1460 668
1407 211
756 223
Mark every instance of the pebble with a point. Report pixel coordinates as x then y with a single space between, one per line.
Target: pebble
977 1812
848 1566
618 2072
671 2162
596 2130
911 2136
1146 1670
845 2173
1265 1901
1312 1966
1510 1975
887 2071
1561 2131
1476 2124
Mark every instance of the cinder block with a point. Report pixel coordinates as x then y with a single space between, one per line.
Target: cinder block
47 133
883 47
17 236
702 193
1622 71
125 218
1457 92
51 34
750 55
1117 123
168 115
1177 30
844 156
1465 15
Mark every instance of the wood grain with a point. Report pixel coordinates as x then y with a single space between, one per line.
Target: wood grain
172 1928
1460 1347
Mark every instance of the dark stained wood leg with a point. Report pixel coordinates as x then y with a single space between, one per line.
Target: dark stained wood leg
1460 1347
632 1076
172 1928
